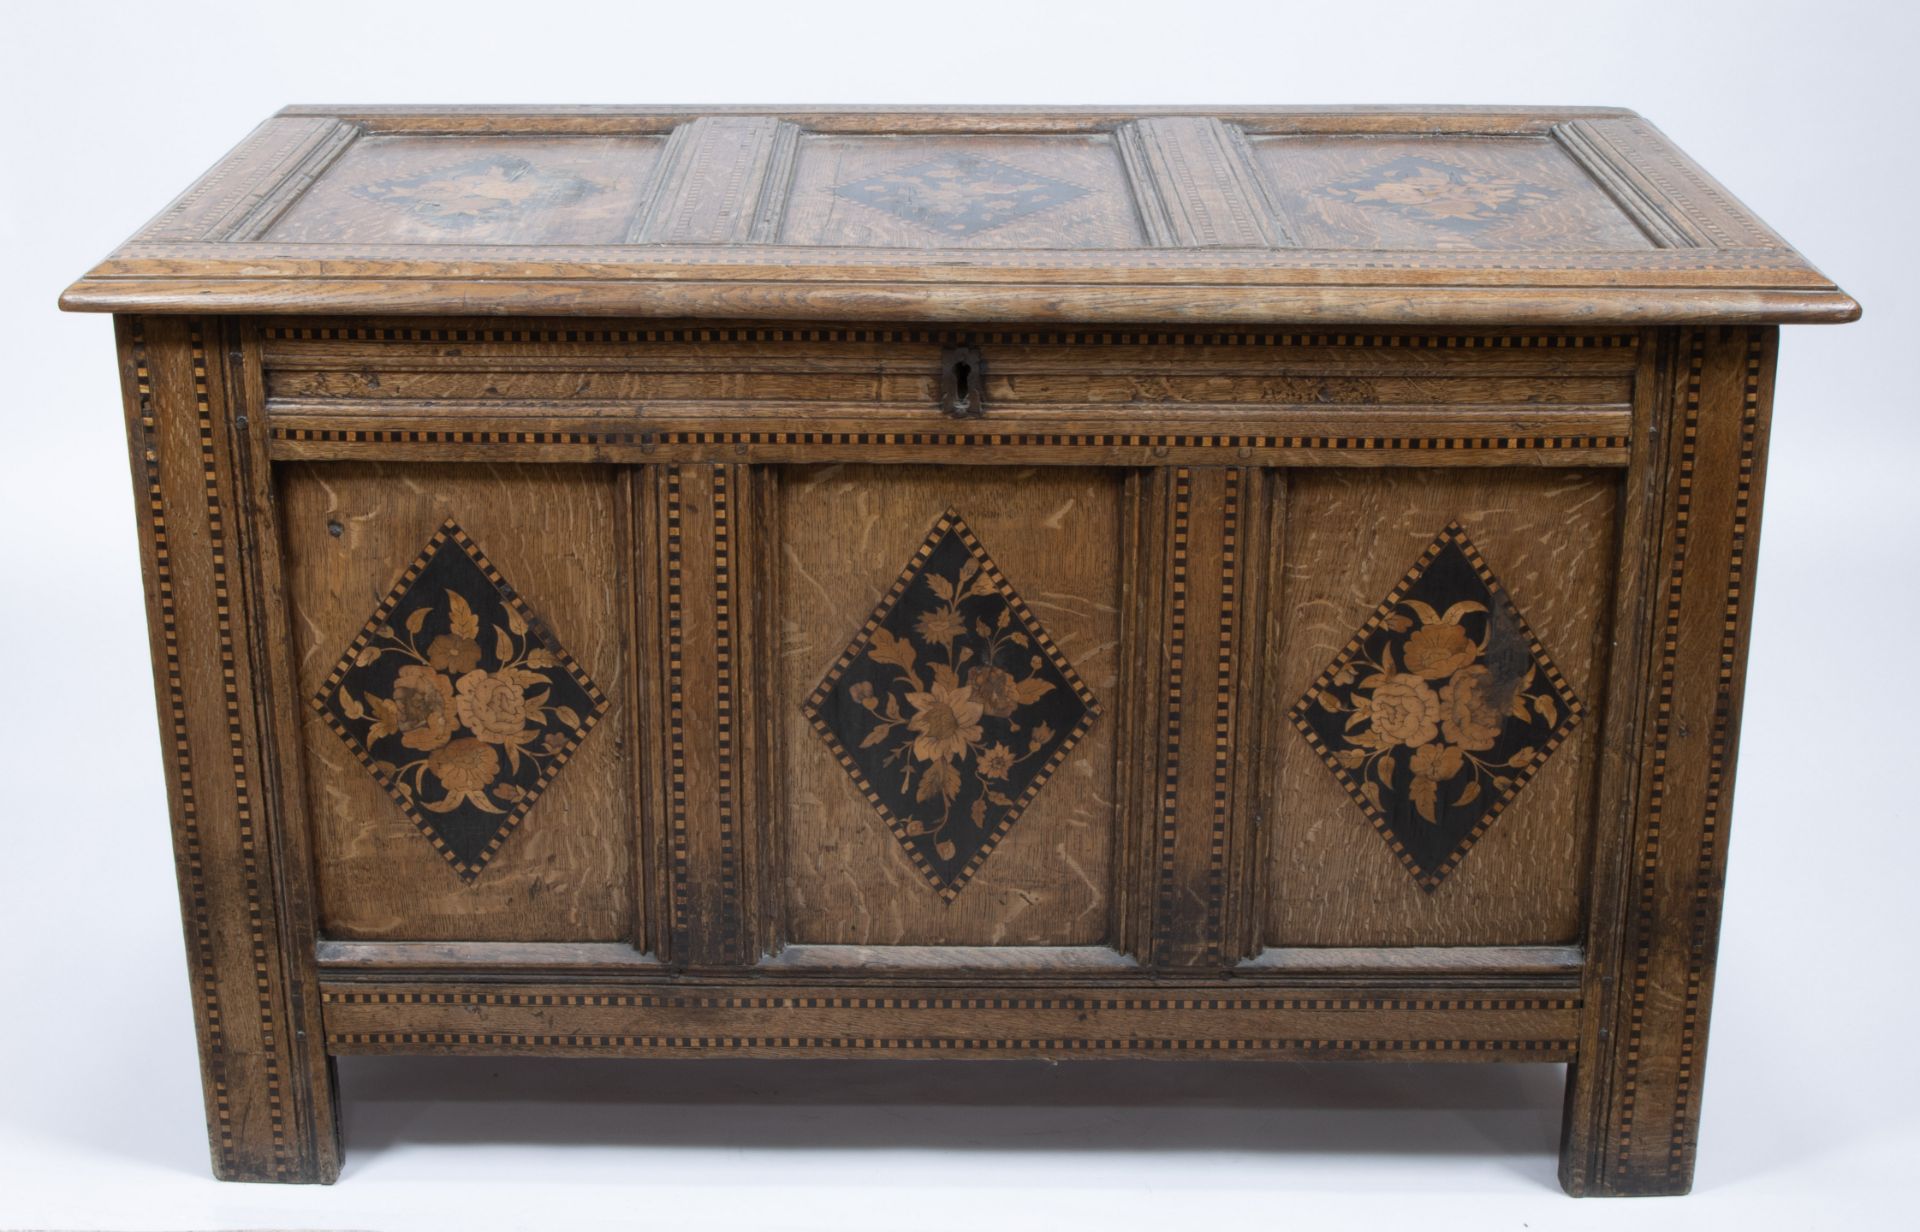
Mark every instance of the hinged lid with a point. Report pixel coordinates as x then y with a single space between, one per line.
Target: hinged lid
1460 216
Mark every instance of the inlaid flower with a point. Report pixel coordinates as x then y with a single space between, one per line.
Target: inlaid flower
940 626
997 761
995 689
1405 710
1438 762
1474 716
423 701
454 655
494 705
947 720
1435 652
466 768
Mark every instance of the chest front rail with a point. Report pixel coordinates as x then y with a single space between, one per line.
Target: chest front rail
695 689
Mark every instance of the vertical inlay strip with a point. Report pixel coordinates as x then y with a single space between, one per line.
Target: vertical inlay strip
676 722
236 741
723 712
1176 687
202 930
1739 559
1223 714
1662 736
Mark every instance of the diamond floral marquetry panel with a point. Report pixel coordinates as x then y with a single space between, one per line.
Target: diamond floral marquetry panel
1440 710
1440 194
456 699
960 194
952 708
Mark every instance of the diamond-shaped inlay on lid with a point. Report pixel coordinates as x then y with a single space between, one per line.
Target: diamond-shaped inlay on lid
1440 194
960 194
951 708
459 702
1440 710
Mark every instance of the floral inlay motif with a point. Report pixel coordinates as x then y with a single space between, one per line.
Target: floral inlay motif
1442 707
952 707
960 194
1440 193
458 701
479 190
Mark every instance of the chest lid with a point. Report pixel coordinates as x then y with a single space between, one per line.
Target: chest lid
1342 215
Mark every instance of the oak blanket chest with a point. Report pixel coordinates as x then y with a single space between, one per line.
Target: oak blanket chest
1001 584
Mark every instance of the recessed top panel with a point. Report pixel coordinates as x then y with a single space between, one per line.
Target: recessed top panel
1236 216
1424 193
961 192
475 190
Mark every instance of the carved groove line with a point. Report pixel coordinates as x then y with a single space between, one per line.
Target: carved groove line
1176 688
1072 1003
1714 812
1662 737
998 337
1553 1049
236 743
676 722
202 931
1223 714
723 712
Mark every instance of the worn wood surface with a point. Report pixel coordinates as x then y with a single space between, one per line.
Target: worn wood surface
1448 216
1213 464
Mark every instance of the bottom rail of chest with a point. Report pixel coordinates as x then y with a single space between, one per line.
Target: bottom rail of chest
799 1020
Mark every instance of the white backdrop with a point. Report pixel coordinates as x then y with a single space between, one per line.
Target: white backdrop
1806 110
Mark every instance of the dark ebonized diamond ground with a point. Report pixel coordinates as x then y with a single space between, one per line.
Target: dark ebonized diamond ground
1440 710
952 708
458 702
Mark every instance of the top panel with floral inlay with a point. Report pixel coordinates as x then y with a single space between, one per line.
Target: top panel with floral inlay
1448 216
1455 194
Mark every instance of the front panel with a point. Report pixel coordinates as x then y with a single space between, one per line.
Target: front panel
1310 657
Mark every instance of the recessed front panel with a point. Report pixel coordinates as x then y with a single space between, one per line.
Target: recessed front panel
950 644
1440 639
466 767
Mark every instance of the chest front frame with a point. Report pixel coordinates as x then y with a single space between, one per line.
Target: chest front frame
1202 433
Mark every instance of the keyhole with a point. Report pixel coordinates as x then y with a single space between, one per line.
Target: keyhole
961 369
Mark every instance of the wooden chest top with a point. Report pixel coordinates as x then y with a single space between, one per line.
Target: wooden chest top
1313 215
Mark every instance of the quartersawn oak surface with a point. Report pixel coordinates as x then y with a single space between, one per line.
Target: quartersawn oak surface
845 534
1548 535
555 535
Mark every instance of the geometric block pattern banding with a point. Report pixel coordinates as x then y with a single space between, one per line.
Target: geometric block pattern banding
1440 710
459 702
951 708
